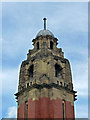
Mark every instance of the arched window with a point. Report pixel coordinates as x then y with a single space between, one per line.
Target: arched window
26 109
51 45
31 70
37 45
63 106
58 71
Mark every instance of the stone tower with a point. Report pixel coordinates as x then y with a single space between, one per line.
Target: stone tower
45 82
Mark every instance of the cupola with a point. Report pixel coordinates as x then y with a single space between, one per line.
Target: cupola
44 32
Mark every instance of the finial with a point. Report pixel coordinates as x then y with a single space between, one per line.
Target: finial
44 23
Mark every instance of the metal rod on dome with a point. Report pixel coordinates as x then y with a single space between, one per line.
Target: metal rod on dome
44 23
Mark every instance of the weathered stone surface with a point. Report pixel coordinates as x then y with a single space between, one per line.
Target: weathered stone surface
45 81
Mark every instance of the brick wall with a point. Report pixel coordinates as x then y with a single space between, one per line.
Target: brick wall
69 110
21 111
46 108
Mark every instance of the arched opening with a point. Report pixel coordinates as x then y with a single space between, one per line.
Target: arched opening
51 45
60 83
30 83
58 71
27 84
31 69
57 82
67 86
37 45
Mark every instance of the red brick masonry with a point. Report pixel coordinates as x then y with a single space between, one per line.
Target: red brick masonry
46 108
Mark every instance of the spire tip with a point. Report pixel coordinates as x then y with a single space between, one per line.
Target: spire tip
44 23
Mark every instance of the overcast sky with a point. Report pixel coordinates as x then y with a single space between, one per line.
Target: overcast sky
20 24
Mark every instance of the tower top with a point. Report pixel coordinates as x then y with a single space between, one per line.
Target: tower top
45 80
44 23
44 32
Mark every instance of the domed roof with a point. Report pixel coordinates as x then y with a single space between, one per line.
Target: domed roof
44 33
